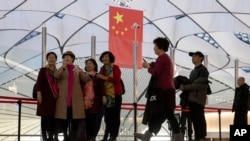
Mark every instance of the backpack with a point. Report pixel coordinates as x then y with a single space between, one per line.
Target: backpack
248 101
123 87
34 92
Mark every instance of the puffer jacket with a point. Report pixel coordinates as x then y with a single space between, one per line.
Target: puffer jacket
197 91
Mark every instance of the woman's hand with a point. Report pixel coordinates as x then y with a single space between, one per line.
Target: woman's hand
91 73
104 100
98 75
88 103
39 97
64 64
181 87
145 64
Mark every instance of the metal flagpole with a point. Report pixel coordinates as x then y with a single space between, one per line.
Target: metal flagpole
135 75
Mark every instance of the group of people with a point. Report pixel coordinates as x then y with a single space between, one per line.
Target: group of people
72 100
74 108
161 97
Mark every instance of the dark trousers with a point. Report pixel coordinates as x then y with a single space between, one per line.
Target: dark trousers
240 117
113 117
156 121
47 126
98 124
78 130
91 120
73 129
186 120
198 119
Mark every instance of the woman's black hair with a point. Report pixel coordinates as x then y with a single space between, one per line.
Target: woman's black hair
49 53
161 43
110 54
94 62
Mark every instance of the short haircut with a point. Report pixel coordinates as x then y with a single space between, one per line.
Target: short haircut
242 78
161 43
94 62
110 54
48 54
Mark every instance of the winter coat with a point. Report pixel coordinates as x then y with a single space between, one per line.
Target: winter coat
241 98
77 95
197 91
47 107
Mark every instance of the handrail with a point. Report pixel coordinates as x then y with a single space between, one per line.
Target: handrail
125 106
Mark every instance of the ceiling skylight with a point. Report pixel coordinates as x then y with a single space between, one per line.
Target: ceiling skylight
207 38
243 37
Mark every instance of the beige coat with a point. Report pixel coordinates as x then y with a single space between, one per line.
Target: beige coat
77 96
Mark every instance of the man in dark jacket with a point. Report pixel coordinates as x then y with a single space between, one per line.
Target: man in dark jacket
240 104
197 95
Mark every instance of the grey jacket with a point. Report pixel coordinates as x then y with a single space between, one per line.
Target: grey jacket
197 91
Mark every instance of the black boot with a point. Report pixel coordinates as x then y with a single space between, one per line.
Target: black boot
89 138
145 137
56 137
50 136
66 137
44 136
112 139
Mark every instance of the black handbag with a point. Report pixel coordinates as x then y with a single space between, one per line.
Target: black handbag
156 102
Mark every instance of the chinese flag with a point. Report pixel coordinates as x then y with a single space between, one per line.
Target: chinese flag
122 35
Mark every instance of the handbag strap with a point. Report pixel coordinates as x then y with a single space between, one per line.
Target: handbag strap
53 85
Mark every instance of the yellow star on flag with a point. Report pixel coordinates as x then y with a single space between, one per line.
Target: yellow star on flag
118 18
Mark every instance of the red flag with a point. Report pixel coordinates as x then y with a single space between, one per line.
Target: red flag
122 35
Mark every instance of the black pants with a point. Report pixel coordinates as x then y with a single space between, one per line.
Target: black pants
78 130
159 112
186 120
113 117
99 121
91 120
75 127
240 117
47 126
198 119
156 121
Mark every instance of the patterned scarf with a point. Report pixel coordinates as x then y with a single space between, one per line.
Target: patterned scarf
109 86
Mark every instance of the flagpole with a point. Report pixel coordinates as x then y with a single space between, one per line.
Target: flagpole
135 75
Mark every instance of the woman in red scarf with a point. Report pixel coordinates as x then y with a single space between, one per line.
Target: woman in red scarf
70 102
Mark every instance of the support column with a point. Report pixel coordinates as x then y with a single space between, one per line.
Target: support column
93 47
206 61
44 45
236 71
